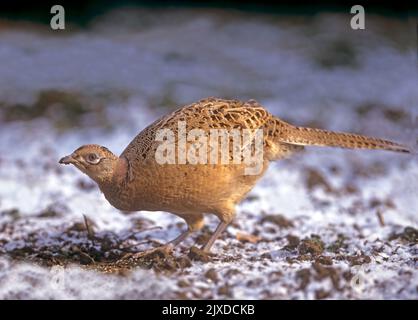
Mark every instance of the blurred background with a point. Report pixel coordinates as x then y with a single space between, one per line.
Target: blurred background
118 65
117 61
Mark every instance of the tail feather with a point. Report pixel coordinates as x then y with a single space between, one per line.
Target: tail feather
318 137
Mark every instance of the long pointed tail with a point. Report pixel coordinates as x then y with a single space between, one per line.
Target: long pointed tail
318 137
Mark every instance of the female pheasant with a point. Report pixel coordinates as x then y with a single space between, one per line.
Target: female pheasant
136 180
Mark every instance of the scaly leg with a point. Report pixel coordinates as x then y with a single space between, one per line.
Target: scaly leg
183 236
219 229
226 215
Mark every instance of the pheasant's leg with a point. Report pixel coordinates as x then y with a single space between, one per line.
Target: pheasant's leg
226 215
175 242
219 229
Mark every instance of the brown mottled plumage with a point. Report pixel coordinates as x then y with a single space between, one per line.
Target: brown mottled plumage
135 181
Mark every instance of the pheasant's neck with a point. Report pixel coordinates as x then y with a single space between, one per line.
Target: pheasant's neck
114 187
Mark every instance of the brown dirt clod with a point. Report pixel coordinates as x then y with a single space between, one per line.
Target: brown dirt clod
293 242
324 260
199 255
212 275
313 246
278 219
315 179
409 235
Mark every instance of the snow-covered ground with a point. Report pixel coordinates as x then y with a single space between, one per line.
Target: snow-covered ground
324 224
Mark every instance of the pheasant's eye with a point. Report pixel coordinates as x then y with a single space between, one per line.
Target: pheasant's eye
92 158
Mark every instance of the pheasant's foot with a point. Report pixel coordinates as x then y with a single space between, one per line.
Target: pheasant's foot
164 250
199 255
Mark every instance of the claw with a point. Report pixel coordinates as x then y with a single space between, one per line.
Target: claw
165 250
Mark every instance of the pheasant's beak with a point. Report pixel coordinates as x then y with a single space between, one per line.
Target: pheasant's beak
67 160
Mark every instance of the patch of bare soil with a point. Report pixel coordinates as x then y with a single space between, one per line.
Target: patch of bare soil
408 235
64 109
79 244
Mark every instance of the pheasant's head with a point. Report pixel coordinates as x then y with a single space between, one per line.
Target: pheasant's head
96 161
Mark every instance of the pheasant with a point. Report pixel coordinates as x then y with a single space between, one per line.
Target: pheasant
136 181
